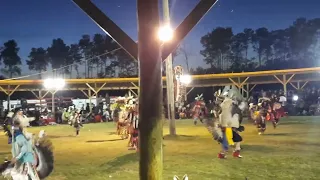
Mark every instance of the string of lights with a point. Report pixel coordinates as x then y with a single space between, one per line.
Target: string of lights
63 67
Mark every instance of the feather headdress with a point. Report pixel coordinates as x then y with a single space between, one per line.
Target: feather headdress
199 97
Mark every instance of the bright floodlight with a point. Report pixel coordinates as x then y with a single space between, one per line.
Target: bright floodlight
185 79
165 33
295 98
57 83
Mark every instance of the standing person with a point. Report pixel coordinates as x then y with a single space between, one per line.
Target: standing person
23 156
199 110
230 124
134 128
77 122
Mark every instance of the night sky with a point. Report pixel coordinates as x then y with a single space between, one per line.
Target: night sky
34 23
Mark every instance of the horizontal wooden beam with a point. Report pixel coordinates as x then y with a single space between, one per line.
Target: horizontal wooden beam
194 77
197 84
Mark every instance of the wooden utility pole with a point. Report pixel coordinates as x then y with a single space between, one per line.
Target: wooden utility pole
169 76
150 99
150 81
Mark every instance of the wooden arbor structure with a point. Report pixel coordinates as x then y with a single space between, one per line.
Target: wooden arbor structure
297 78
150 52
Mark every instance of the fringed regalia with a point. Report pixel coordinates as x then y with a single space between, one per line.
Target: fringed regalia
77 123
199 109
32 156
278 109
133 120
228 122
263 114
118 113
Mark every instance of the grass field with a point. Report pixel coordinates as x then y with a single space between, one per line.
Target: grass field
290 152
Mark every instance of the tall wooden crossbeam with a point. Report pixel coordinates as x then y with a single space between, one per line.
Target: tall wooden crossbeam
150 81
109 27
187 25
131 47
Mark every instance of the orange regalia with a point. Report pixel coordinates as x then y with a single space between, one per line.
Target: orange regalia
199 109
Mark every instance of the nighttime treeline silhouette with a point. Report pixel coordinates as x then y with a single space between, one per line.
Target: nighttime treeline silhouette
297 46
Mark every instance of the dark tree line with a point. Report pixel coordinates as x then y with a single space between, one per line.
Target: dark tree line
99 55
297 46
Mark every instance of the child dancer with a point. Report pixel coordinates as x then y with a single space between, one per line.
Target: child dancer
77 122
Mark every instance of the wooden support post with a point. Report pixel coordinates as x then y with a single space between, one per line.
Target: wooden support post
284 82
294 86
86 94
91 88
150 98
52 99
133 92
40 99
90 100
14 90
99 88
191 90
149 55
96 89
305 83
240 85
37 96
9 92
252 87
284 77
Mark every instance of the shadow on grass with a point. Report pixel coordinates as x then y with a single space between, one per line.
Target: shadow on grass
112 133
4 154
292 134
108 140
119 162
278 134
57 137
180 137
257 148
293 123
295 143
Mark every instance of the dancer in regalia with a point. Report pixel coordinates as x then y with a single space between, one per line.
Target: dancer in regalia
119 114
199 109
264 113
32 158
77 122
134 124
229 126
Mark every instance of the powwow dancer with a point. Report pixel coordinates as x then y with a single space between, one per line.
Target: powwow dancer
199 109
263 114
134 131
230 124
32 158
118 113
227 130
278 109
77 122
